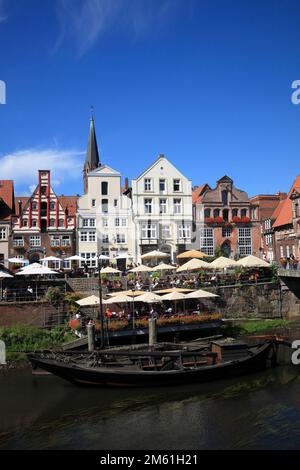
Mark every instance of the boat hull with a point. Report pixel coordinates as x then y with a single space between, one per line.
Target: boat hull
116 377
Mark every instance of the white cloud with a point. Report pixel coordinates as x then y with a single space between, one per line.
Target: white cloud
84 22
22 166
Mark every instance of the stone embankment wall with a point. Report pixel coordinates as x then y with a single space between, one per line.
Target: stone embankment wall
271 300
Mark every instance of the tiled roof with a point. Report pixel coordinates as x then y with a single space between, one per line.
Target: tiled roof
7 193
23 199
69 202
285 214
198 192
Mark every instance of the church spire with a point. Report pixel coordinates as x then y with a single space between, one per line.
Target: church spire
92 155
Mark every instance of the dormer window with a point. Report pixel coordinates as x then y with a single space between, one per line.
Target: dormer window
176 185
225 198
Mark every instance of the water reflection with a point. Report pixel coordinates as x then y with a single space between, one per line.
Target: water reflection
257 411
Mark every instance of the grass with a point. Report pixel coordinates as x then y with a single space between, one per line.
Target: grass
250 327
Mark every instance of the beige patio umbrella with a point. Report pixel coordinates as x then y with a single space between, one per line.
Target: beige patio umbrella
88 301
193 265
174 296
200 294
164 267
172 289
133 293
253 262
191 254
155 254
109 270
118 299
141 269
222 263
149 298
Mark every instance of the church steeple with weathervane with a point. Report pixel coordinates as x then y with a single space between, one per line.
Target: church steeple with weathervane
92 155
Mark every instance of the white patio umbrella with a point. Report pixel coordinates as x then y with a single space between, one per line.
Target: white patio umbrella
75 258
191 254
200 294
253 262
109 270
164 267
91 300
123 256
51 258
155 254
174 296
141 269
132 293
193 265
103 257
118 299
34 269
172 289
3 275
18 260
149 298
222 263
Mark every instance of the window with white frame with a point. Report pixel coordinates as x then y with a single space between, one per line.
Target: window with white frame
92 236
207 241
165 231
52 206
51 222
176 185
226 232
34 206
184 231
162 206
34 223
104 205
105 238
148 206
177 206
55 240
93 202
147 184
115 202
83 236
18 241
121 238
105 252
65 240
244 241
3 233
25 223
149 231
281 251
66 264
61 223
88 222
35 240
105 223
162 185
90 259
121 222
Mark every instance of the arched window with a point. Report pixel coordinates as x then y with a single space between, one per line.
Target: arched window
61 222
104 204
216 213
104 188
206 213
235 212
225 215
244 213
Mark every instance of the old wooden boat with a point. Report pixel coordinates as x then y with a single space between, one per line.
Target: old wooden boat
148 368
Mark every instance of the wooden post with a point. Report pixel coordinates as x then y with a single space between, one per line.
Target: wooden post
2 353
152 331
91 336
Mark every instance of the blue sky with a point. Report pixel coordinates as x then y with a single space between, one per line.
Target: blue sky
206 82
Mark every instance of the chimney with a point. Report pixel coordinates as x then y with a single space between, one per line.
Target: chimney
126 183
281 195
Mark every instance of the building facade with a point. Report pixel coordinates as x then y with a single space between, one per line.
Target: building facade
104 211
223 222
264 209
7 209
161 210
44 224
286 226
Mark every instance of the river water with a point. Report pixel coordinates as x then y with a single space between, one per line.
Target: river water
260 411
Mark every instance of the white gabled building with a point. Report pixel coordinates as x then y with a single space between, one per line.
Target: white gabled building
104 213
161 209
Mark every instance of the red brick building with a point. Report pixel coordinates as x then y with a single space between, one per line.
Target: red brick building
264 209
44 223
287 225
223 220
